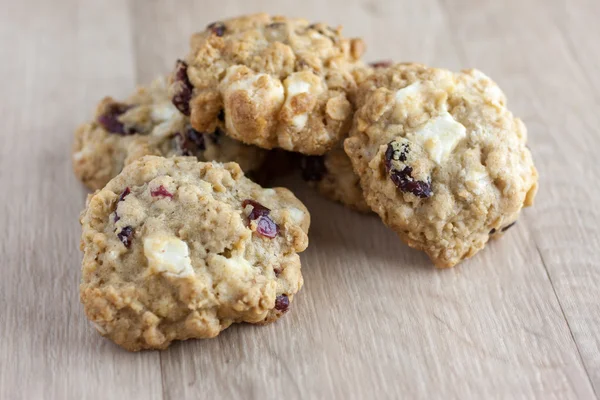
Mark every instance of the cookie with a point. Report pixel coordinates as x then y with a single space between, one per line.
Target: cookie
274 81
177 249
332 175
147 123
440 158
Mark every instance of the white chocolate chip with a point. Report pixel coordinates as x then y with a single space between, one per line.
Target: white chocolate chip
409 93
296 215
163 111
439 136
262 93
476 180
298 83
168 255
231 273
273 92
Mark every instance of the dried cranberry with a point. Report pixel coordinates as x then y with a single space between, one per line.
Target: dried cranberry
405 182
161 191
125 236
313 168
266 227
190 143
277 271
121 198
402 178
507 227
381 64
182 98
217 28
395 153
124 194
110 119
258 210
282 303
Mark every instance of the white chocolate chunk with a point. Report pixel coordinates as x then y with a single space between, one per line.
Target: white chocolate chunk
408 93
163 111
303 82
477 179
296 215
231 273
439 136
168 255
299 121
272 91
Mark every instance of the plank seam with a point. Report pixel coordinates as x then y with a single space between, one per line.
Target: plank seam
581 359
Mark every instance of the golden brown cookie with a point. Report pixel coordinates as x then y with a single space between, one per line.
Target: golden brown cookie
440 158
177 249
275 81
147 123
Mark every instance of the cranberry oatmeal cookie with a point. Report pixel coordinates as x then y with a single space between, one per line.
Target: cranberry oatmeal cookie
440 158
332 175
177 249
147 123
275 81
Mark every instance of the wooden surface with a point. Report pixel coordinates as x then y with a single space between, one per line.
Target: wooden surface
374 320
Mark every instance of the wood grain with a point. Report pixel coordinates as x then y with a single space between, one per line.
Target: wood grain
520 320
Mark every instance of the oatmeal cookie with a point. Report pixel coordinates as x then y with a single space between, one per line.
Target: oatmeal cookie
147 123
276 82
177 249
332 175
440 158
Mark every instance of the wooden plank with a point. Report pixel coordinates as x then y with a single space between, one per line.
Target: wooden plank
551 84
59 59
373 316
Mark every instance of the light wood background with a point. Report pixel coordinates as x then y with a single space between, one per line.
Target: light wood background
374 320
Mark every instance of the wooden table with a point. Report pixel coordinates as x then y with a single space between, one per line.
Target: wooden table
374 320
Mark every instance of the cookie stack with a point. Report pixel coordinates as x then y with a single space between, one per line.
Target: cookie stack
179 243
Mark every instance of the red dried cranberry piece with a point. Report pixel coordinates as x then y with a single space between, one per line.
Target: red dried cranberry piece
405 182
182 98
277 271
217 28
258 210
110 119
125 236
381 64
266 227
313 168
161 191
121 198
124 194
282 303
190 143
507 227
